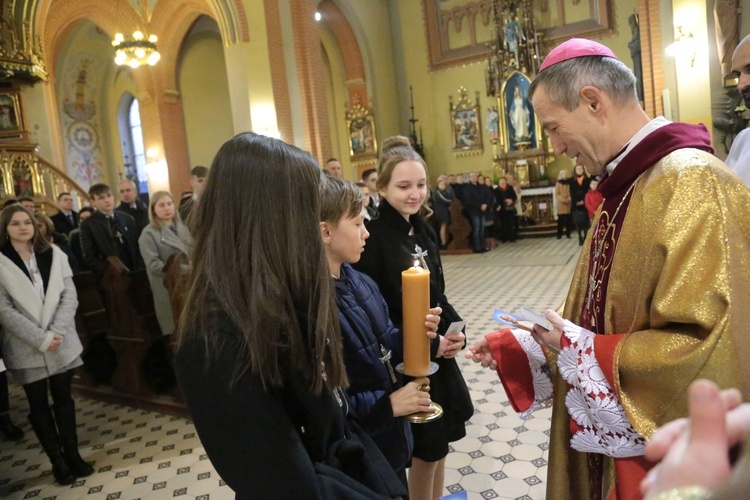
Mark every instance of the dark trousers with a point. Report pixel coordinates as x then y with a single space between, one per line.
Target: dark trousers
582 223
477 231
508 231
563 220
4 396
59 388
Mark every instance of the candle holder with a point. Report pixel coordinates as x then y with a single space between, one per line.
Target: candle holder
423 417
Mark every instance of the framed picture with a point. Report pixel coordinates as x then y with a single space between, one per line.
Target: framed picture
360 126
520 128
11 121
465 125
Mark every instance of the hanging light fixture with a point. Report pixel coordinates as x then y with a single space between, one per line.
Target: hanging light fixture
139 49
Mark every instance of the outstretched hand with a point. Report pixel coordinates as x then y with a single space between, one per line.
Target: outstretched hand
480 353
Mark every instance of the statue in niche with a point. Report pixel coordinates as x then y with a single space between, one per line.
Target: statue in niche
635 53
493 123
520 116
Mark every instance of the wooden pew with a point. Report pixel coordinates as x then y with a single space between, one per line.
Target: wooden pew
459 230
131 330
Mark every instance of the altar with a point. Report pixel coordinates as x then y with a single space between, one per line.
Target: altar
538 203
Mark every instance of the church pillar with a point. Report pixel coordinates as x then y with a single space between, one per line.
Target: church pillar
310 71
163 126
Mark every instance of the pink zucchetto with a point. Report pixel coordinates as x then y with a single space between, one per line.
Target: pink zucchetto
573 48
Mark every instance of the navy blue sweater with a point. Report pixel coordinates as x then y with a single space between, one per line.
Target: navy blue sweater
368 332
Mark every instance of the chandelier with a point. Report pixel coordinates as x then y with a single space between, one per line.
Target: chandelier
137 49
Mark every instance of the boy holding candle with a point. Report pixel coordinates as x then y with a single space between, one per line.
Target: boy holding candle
372 345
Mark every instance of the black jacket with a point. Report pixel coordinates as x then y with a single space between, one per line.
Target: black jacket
277 443
367 332
97 242
139 214
61 222
475 196
388 252
578 193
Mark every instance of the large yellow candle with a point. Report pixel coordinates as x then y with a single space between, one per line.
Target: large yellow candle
415 296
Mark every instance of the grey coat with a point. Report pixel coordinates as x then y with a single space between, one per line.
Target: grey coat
157 244
29 324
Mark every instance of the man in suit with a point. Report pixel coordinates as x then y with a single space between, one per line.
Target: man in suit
109 232
131 205
197 179
66 219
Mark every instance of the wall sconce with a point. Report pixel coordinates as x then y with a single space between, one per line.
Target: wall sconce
157 172
683 46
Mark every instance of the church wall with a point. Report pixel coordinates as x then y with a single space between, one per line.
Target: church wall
432 89
693 82
36 114
123 83
83 80
205 97
337 100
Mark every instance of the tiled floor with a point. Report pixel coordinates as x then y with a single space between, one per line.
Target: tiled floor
139 454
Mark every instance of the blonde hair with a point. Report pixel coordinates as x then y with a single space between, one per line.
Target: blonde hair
152 218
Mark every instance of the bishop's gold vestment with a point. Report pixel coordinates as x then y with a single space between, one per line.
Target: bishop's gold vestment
679 288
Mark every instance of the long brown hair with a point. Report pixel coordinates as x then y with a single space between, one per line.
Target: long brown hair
394 150
38 243
259 258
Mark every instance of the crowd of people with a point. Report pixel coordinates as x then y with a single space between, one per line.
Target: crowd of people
292 324
39 255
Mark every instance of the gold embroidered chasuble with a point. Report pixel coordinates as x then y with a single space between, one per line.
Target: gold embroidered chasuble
679 287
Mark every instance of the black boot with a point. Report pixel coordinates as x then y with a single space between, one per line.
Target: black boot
10 431
65 414
44 428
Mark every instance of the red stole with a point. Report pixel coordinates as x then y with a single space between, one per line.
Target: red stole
617 190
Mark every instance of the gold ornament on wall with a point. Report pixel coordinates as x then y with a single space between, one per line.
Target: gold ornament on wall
466 127
360 127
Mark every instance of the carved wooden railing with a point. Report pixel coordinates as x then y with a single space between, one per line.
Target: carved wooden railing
25 173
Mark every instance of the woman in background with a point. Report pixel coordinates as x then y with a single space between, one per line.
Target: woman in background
260 360
562 193
164 236
40 345
441 201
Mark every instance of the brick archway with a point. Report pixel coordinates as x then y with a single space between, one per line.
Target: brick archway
161 106
354 68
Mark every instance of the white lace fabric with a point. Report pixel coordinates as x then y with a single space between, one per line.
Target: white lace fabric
539 372
592 402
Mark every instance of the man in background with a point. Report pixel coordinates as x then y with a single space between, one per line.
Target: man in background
370 178
130 204
739 155
334 167
66 219
197 180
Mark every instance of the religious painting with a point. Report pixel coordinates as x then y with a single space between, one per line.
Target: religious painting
360 125
520 128
465 125
11 122
22 182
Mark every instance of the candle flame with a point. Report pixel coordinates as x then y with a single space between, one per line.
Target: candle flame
416 263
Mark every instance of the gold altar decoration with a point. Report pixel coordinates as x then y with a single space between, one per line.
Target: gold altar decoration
466 127
360 127
21 55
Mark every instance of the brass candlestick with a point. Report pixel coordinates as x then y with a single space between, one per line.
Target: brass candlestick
424 417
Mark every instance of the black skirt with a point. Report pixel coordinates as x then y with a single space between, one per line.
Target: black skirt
447 388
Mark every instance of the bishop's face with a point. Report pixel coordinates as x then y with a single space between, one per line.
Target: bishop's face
576 133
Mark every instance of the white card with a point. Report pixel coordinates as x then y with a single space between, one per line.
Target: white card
530 315
456 327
